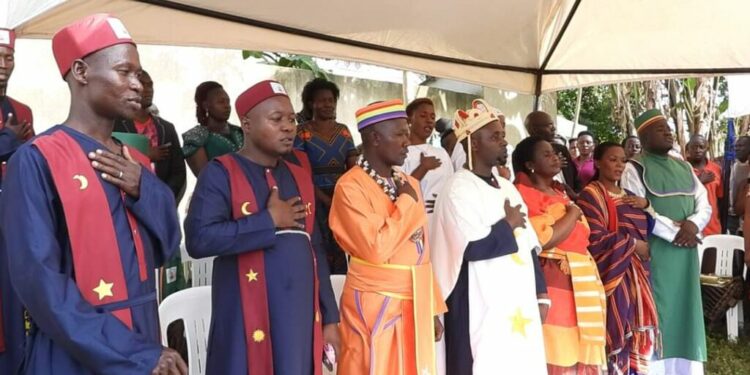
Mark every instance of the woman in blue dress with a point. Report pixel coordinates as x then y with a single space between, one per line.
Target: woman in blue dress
330 148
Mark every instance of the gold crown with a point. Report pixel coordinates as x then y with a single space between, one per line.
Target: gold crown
469 121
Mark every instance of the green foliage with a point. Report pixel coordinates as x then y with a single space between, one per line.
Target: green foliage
726 358
597 105
287 61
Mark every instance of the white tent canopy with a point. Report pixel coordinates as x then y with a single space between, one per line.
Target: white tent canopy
527 46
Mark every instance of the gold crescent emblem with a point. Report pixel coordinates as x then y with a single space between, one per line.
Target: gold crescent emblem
82 180
245 209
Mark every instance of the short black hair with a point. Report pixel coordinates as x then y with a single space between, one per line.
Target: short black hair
693 137
416 103
442 124
625 141
524 153
585 133
318 84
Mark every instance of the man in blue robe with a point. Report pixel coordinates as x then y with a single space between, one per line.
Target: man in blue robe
87 224
268 263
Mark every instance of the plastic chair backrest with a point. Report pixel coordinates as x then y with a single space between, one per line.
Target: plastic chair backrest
203 270
337 282
193 306
725 245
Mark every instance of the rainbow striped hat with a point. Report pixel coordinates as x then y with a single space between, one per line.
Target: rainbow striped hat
379 112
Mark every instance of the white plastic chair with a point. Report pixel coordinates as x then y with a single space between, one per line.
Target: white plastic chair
203 270
337 282
725 246
193 306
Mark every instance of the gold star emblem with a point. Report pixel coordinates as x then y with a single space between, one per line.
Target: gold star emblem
104 289
252 276
519 322
308 209
259 335
517 258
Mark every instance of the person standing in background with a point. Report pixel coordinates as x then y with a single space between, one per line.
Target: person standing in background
541 124
632 146
214 135
330 148
709 174
573 147
165 151
429 164
738 184
585 160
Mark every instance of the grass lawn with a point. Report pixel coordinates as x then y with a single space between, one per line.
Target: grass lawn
724 357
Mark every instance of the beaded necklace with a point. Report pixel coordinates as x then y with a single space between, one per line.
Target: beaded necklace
388 189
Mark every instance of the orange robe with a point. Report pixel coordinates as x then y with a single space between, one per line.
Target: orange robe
715 191
389 280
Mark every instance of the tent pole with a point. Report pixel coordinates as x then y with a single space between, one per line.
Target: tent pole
538 92
405 87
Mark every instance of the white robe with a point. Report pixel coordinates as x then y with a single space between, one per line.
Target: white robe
500 288
432 182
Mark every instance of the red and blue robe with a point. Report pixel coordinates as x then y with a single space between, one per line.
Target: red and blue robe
69 334
289 270
21 113
11 310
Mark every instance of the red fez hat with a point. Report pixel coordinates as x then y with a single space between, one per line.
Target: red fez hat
86 36
8 38
257 94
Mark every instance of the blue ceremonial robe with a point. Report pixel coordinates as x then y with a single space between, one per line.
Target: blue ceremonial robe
13 325
9 143
210 230
68 335
12 310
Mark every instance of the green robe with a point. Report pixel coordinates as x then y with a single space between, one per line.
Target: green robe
675 271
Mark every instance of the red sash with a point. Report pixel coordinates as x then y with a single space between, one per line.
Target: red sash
251 269
96 253
304 161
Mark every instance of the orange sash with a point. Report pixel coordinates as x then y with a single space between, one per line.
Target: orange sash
406 282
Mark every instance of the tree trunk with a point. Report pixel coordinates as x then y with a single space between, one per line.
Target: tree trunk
676 113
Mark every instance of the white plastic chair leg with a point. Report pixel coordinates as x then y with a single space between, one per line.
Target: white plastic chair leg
733 323
741 314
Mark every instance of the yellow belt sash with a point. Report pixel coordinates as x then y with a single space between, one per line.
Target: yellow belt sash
404 282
